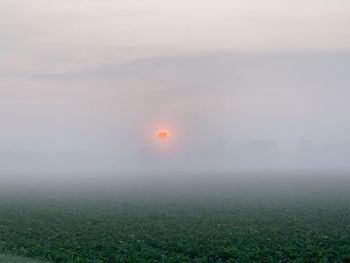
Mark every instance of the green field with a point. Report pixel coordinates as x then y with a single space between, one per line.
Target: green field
14 259
253 220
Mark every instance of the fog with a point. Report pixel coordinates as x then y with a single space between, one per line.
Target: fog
87 100
226 112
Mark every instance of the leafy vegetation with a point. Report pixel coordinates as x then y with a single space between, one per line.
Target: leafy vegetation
228 226
14 259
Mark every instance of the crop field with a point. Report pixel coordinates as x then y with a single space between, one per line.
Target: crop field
14 259
253 220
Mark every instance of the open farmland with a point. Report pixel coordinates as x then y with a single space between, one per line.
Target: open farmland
14 259
248 220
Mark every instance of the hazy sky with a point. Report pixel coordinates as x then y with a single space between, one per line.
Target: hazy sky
61 34
84 85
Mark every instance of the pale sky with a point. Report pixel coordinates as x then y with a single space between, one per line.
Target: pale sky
66 33
245 84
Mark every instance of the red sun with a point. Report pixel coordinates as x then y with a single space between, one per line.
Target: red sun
162 134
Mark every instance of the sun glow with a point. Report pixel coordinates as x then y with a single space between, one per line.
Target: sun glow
162 134
163 140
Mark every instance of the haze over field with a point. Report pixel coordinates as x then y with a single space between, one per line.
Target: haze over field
239 85
174 131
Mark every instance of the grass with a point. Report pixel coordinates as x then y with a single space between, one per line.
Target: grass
14 259
251 222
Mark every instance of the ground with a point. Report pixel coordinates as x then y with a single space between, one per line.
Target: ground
256 220
14 259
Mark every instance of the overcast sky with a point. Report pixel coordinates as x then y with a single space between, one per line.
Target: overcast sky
239 84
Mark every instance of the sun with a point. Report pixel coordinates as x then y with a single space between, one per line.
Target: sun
162 134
